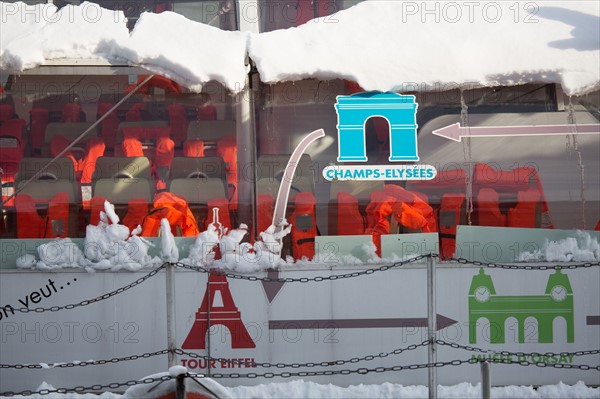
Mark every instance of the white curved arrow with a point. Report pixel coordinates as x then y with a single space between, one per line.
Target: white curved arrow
288 174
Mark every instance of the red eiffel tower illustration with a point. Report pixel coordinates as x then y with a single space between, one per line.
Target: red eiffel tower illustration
227 315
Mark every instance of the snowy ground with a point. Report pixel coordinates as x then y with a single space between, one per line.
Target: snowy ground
303 389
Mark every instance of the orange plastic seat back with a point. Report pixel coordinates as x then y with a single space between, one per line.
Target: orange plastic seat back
71 112
58 144
193 148
87 165
134 114
109 126
525 213
137 209
178 122
132 147
207 112
488 208
39 118
515 180
165 151
29 223
349 219
11 141
7 112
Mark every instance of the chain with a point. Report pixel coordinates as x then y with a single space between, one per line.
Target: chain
544 364
522 267
94 300
85 363
313 364
306 279
507 353
363 370
98 387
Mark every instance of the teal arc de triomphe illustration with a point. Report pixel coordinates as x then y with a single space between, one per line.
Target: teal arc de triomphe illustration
353 113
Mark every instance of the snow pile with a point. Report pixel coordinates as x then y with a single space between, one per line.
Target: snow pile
366 253
45 386
202 252
107 246
111 246
236 255
301 389
26 261
582 248
417 46
60 253
34 34
189 52
204 386
577 391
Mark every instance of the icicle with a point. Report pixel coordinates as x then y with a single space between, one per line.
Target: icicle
571 119
464 122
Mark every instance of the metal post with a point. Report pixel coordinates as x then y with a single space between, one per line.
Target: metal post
485 380
209 306
180 386
171 331
432 327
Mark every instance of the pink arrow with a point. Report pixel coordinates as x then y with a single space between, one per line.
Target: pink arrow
273 287
456 132
286 183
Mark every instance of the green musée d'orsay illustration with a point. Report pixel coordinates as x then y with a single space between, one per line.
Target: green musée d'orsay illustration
557 301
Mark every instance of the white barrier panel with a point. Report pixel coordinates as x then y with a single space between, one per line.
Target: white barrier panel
539 313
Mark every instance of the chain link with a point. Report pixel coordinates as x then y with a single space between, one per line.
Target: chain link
85 363
362 370
542 364
313 364
520 267
304 279
507 353
81 389
97 299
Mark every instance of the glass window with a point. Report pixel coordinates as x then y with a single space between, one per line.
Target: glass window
161 140
283 14
520 179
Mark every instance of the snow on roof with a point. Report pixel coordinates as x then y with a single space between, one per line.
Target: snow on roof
407 46
169 44
384 45
34 34
186 51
